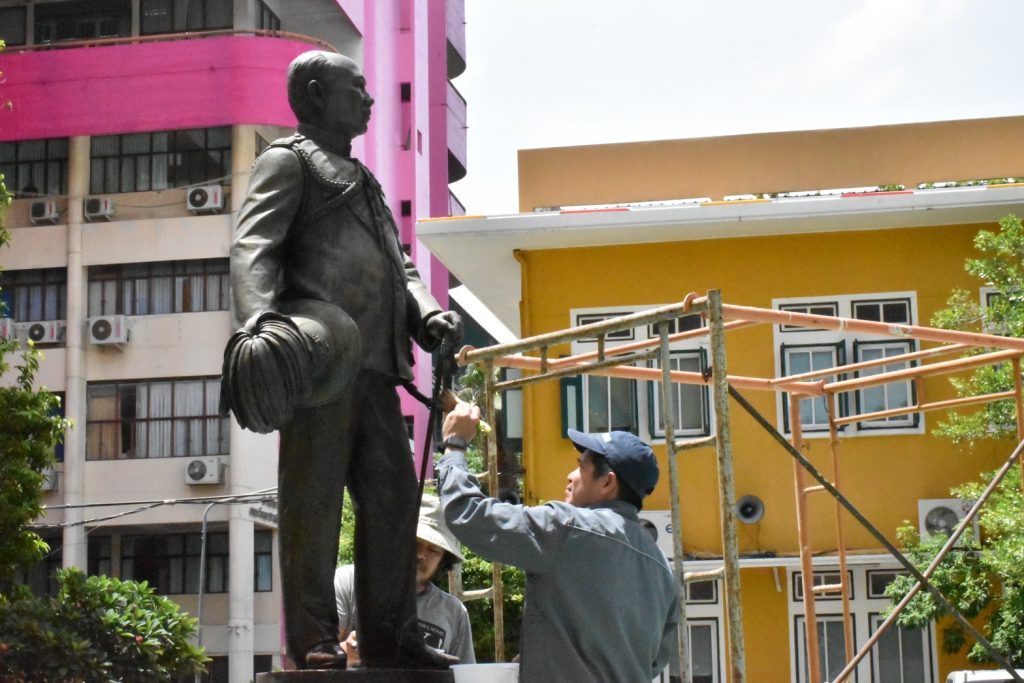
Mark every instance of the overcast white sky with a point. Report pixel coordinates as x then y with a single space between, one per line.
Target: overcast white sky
546 73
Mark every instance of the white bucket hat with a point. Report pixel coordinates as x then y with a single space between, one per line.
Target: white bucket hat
432 529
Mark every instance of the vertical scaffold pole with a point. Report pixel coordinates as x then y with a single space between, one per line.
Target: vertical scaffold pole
1018 404
668 402
804 535
727 493
497 591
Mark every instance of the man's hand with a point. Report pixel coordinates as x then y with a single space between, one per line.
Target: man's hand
461 422
447 324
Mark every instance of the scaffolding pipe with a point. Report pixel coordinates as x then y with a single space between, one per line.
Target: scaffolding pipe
803 538
844 581
920 407
649 374
692 303
733 312
647 343
668 402
947 546
878 535
943 368
888 360
726 490
491 441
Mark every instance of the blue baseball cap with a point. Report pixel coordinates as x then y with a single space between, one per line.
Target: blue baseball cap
630 458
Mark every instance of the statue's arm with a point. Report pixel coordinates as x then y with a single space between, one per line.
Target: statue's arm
421 306
270 207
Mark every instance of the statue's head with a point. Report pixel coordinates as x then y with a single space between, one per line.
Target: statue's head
328 90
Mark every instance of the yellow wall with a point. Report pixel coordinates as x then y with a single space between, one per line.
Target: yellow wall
884 476
771 162
765 625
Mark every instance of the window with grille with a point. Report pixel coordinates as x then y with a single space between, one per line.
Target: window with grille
139 162
159 288
35 168
34 294
831 647
266 19
155 419
594 403
170 562
804 350
82 20
13 24
179 16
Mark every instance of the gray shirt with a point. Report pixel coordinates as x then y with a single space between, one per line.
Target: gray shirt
601 603
442 617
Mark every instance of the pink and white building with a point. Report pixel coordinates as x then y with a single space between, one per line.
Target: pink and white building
127 132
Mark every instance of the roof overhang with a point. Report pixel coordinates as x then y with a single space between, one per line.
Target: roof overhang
480 251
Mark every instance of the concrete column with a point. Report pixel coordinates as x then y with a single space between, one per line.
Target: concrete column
241 634
75 543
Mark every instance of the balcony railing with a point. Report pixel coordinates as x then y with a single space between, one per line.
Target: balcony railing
164 37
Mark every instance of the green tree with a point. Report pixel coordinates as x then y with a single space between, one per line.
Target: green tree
983 578
95 629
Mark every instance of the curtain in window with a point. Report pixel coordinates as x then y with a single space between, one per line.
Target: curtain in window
188 426
102 426
160 412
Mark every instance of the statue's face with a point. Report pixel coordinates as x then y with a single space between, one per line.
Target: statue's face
345 102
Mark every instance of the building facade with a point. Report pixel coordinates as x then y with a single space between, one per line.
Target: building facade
865 223
127 135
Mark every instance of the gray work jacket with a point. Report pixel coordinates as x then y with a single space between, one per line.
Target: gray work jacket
601 603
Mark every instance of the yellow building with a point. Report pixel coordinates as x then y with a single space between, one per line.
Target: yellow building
611 229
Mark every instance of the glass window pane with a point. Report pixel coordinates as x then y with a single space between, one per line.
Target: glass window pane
597 404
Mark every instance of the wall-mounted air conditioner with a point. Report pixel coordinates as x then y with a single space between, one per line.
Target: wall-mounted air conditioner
41 331
208 198
97 208
49 479
204 471
941 515
108 329
7 330
44 212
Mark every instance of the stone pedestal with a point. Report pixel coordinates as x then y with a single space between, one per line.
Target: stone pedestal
358 676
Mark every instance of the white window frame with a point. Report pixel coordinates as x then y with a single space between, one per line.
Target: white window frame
647 393
899 346
788 337
864 604
927 645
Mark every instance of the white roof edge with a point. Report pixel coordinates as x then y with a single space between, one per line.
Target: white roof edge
480 252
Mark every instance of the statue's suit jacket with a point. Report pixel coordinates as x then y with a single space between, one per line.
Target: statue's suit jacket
304 231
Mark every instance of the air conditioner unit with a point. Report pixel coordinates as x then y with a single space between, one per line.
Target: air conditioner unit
44 211
108 329
49 479
41 331
7 330
206 198
941 515
98 207
204 471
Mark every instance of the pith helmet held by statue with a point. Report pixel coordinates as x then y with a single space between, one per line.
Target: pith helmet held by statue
301 356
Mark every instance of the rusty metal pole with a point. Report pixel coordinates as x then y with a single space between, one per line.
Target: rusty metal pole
803 535
497 592
832 401
726 490
668 410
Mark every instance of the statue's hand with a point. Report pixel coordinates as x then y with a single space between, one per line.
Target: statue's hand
446 326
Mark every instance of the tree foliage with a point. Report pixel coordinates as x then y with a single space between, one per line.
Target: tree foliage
95 629
1000 267
985 577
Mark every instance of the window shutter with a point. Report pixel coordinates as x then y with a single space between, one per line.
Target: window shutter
571 389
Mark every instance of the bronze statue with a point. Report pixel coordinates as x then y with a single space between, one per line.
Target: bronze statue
318 271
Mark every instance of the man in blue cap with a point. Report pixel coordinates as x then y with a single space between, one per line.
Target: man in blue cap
601 603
